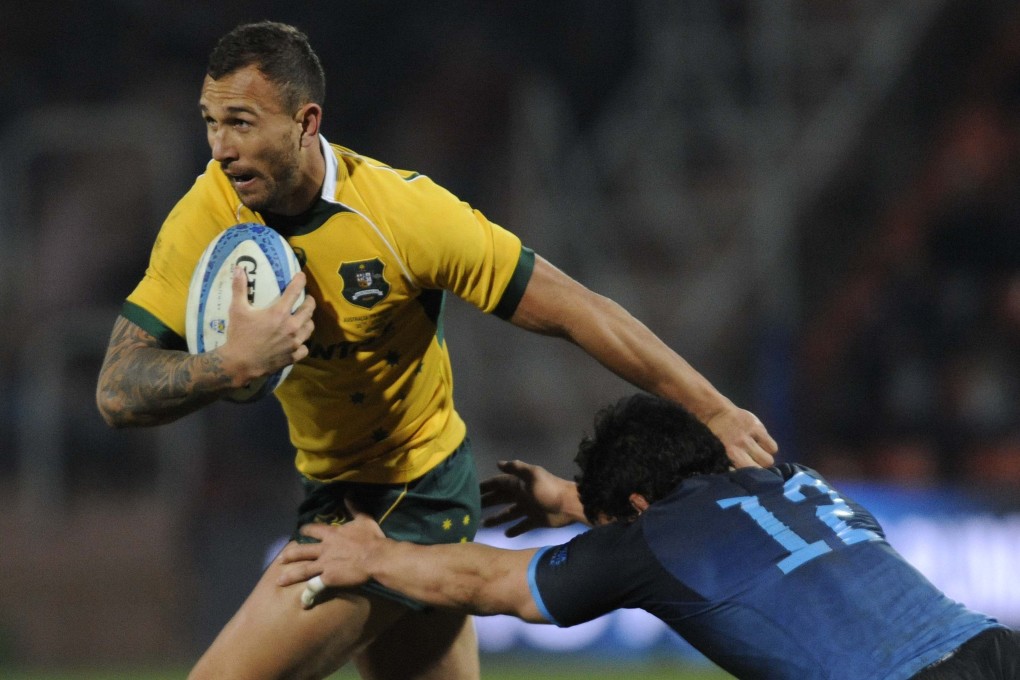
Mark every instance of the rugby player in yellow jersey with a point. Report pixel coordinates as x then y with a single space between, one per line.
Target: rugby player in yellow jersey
369 401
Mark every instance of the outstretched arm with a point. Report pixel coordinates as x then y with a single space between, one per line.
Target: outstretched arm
470 577
555 304
143 383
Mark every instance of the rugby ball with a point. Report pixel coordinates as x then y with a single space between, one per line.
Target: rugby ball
269 263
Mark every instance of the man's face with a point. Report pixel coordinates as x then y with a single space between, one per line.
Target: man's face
255 139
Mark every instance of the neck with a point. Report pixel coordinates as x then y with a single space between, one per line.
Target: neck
311 175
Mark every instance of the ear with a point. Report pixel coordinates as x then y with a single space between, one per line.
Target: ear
309 117
638 502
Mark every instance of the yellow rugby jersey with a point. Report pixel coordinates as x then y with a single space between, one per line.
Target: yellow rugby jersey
373 401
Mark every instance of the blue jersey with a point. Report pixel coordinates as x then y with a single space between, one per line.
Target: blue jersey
770 573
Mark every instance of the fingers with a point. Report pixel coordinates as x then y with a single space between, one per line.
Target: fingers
749 454
504 516
305 309
307 573
311 591
509 515
298 572
498 483
301 566
292 293
747 442
520 528
300 321
759 445
517 468
739 457
316 530
499 490
762 456
506 488
239 287
301 552
492 484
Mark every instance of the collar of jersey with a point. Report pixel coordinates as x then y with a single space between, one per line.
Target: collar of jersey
329 183
321 210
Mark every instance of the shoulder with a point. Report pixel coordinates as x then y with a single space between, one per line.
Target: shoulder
361 168
614 548
601 542
388 188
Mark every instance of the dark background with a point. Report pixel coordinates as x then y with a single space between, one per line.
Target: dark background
816 203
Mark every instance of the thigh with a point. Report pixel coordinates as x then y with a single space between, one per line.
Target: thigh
272 636
423 645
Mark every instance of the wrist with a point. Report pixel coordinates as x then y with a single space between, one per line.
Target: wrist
710 405
570 503
233 372
375 557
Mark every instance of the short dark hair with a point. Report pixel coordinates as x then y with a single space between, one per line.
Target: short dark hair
280 52
642 444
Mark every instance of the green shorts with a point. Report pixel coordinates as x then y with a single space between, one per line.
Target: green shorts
441 506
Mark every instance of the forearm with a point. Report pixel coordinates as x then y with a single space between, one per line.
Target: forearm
629 349
142 384
554 304
469 577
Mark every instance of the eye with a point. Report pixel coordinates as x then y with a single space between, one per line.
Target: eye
242 124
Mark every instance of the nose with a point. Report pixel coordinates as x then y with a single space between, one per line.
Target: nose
223 150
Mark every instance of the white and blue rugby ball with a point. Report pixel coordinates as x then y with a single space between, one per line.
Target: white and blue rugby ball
269 263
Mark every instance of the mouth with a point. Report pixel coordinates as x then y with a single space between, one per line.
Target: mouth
241 180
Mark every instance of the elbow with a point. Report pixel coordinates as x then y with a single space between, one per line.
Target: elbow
109 416
109 410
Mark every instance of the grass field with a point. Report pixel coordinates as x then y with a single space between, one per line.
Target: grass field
491 670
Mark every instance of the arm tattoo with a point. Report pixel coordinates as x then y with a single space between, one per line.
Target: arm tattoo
141 383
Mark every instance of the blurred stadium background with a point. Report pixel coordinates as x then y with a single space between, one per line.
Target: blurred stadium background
815 201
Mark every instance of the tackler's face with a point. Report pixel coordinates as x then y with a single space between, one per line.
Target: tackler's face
254 138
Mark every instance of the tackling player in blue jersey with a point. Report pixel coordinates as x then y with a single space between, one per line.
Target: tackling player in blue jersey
771 573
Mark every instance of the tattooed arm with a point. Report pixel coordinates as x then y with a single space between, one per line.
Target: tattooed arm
142 383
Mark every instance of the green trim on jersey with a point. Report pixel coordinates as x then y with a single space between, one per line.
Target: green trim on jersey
434 302
153 326
306 222
518 283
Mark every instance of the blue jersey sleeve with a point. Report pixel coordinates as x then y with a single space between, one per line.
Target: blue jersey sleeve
582 579
607 568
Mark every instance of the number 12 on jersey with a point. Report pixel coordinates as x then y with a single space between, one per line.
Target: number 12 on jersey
833 515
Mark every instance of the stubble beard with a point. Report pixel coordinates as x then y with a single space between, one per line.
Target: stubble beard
280 184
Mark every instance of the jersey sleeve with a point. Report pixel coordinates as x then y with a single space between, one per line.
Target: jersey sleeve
591 575
454 247
158 302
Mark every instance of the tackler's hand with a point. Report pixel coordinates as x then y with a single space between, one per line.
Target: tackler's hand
533 495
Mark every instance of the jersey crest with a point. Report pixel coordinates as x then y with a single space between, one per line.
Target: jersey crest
364 284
